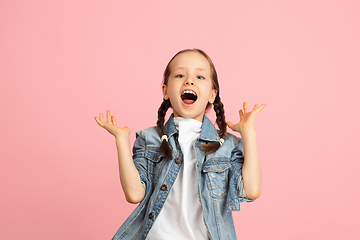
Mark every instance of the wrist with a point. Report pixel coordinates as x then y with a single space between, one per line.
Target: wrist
121 137
247 132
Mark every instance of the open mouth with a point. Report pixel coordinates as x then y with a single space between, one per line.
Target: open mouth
188 97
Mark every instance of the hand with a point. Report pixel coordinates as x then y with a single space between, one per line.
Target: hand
110 125
247 119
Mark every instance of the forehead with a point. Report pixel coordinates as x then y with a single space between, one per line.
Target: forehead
190 60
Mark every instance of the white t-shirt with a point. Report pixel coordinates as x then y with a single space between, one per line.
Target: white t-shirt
182 215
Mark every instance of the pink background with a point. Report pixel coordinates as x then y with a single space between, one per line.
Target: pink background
63 62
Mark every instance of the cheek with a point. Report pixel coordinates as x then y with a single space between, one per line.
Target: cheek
172 90
208 92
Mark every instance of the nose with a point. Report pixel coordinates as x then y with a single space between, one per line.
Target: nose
189 82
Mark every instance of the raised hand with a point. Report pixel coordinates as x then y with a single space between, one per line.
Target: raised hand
247 118
129 175
110 125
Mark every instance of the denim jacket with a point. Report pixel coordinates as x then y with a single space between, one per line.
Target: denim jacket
220 184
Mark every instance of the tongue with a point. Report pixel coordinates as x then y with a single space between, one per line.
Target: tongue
188 101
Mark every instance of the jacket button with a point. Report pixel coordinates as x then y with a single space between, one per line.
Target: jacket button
163 187
177 160
151 215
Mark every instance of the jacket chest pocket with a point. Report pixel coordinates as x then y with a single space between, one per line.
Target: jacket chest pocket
155 163
217 172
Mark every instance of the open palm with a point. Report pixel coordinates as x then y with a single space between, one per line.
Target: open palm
110 125
247 118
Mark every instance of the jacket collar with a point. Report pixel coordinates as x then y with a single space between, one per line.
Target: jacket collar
170 128
208 130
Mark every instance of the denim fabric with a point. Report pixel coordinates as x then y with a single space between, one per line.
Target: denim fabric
220 181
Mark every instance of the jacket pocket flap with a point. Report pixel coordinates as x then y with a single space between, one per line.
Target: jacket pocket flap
152 153
216 164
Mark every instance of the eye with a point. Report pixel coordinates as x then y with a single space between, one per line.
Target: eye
180 76
200 77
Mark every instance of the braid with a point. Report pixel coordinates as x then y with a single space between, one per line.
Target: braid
220 121
164 147
220 116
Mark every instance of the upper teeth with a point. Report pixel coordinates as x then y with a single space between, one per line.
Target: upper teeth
189 91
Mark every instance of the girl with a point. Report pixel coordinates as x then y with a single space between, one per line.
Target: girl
187 176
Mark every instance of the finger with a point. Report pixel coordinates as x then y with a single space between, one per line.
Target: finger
101 117
128 130
108 116
241 113
113 120
245 106
255 106
230 124
98 121
261 107
257 110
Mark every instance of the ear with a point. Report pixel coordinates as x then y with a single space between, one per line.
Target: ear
213 96
164 91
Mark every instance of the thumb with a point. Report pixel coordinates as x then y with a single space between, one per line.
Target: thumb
128 130
99 122
230 124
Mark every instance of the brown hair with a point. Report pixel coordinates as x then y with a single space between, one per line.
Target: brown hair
218 108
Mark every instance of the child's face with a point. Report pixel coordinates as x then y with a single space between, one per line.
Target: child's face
189 87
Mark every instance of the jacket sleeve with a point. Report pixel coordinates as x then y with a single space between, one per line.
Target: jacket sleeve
140 161
237 193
